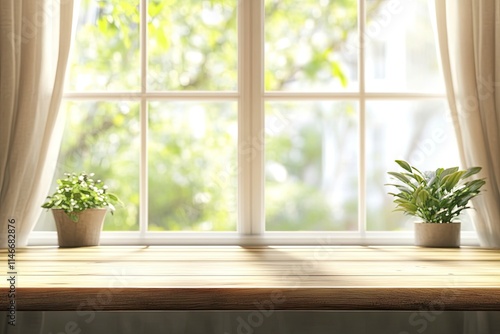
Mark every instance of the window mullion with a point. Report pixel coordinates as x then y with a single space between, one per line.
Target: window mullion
244 118
143 177
362 121
251 119
257 113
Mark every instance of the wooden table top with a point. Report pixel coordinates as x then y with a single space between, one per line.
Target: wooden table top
248 278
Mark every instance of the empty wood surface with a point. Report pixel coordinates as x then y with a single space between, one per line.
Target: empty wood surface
247 278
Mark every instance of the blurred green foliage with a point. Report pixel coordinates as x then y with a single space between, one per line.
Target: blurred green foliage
192 45
192 148
311 170
304 40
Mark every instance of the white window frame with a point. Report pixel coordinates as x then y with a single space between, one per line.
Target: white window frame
251 96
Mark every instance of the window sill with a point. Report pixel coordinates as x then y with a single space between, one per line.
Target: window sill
248 278
404 238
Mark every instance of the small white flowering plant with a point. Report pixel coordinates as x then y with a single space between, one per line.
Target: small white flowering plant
78 192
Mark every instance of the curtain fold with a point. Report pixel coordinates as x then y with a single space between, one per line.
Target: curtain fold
469 43
35 37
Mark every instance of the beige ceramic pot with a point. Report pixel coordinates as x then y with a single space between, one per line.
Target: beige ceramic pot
85 232
437 235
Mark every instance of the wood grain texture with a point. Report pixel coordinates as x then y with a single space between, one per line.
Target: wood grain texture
249 278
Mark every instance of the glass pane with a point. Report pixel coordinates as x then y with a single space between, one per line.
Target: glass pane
311 166
419 132
103 138
192 44
105 51
193 166
311 45
401 51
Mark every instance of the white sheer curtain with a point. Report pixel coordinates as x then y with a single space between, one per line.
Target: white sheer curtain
35 37
469 41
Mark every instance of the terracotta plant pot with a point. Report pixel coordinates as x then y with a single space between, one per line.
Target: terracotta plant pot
437 235
85 232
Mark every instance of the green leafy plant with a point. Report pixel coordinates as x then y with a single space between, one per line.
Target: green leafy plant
78 192
434 196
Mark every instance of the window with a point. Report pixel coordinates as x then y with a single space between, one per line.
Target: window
224 120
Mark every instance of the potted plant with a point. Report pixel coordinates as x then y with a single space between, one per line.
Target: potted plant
437 197
79 206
